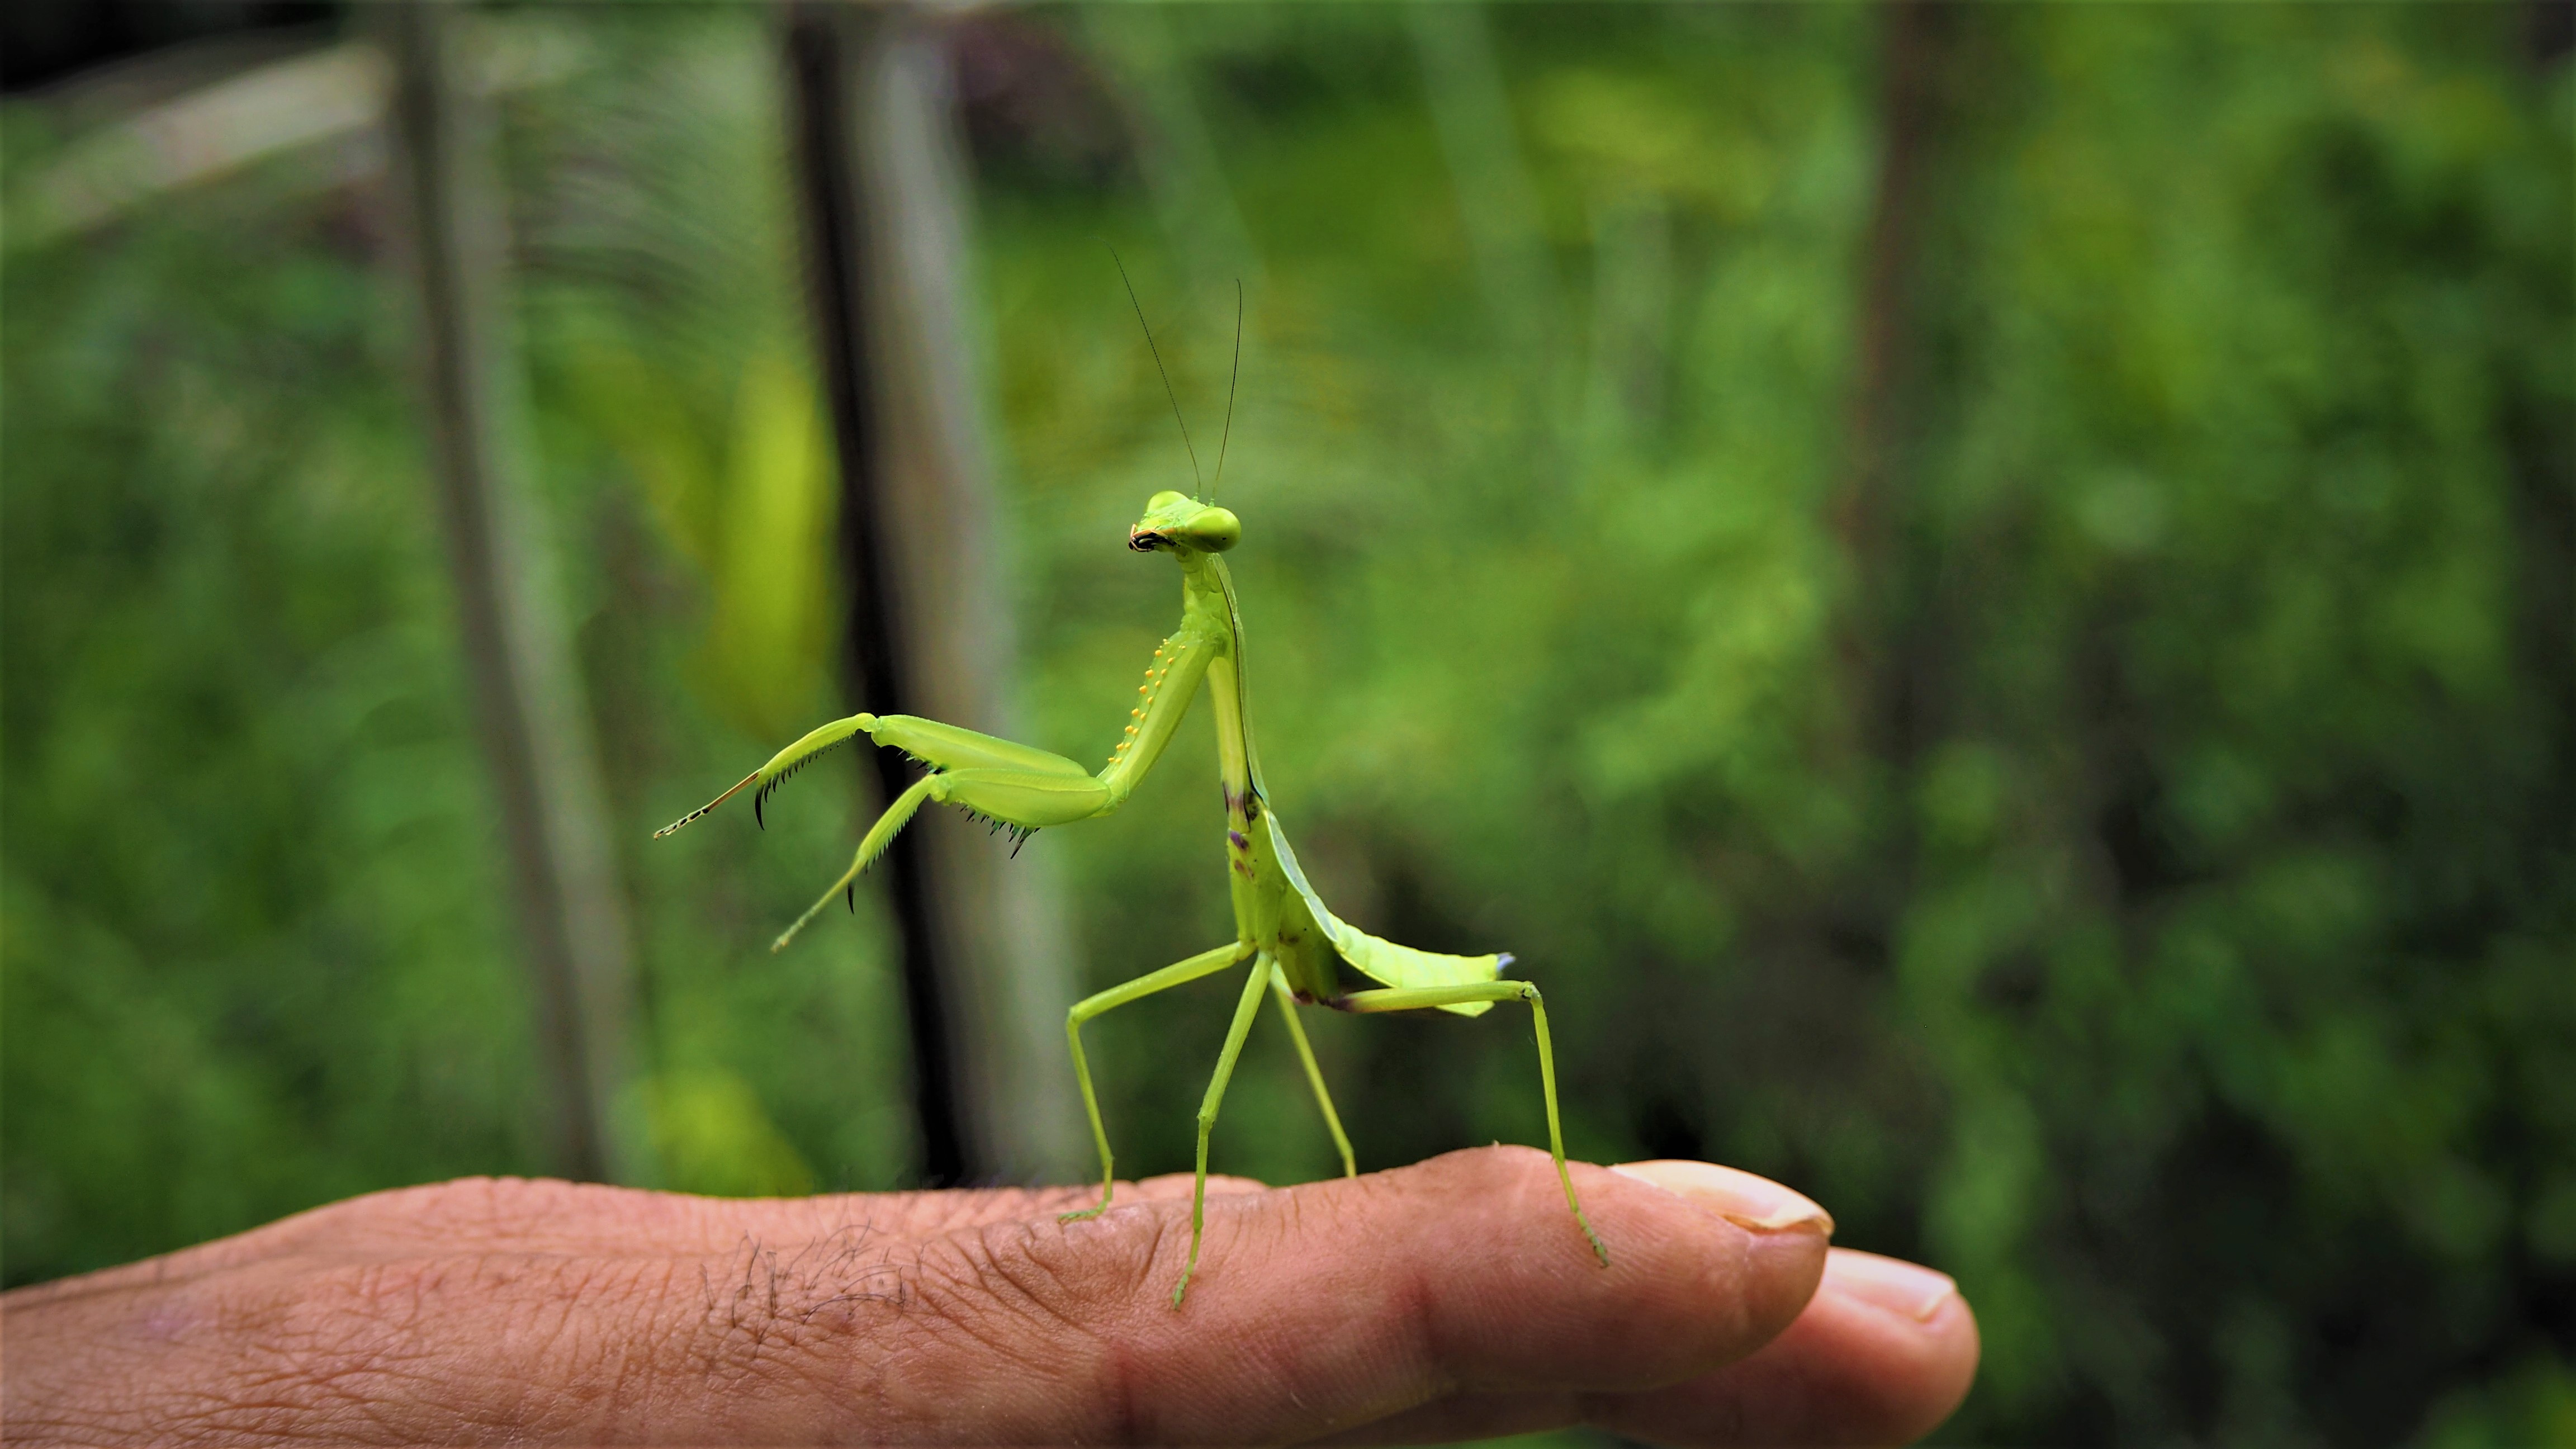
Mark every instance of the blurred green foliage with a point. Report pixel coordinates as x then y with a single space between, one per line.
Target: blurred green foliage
2139 879
256 946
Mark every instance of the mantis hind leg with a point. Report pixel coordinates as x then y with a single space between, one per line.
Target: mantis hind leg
1244 1011
1414 998
1203 964
1314 1073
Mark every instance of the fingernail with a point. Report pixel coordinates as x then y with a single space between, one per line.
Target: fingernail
1889 1283
1739 1197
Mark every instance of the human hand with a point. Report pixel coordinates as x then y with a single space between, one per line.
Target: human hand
1448 1299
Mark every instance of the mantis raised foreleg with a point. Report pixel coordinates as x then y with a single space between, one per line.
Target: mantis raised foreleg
1299 950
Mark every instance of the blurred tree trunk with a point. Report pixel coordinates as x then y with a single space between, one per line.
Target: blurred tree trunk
2550 28
1886 642
528 707
1873 507
986 963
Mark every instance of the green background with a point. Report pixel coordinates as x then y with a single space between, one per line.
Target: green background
2133 869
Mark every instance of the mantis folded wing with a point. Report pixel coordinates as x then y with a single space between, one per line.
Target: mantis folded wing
1296 946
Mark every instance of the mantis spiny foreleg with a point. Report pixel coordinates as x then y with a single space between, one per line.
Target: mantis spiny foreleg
781 765
879 836
1021 798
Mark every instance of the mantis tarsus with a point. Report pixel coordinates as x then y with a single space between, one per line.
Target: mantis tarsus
1296 945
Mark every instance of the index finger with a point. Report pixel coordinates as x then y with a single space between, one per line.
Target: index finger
1316 1308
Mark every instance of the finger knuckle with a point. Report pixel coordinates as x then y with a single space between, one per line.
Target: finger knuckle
814 1320
1029 1304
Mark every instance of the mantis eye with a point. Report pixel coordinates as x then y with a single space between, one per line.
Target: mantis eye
1214 529
1163 500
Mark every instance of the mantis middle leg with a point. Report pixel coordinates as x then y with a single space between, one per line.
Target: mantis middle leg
1206 963
1314 1073
1244 1011
1414 998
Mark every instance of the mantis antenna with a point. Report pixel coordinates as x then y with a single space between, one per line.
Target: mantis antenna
1196 477
1231 379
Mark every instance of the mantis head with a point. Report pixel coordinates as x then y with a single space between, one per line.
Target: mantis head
1179 522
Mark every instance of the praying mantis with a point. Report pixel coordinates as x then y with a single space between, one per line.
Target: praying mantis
1295 945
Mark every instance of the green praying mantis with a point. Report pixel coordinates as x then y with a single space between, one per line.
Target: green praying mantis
1295 944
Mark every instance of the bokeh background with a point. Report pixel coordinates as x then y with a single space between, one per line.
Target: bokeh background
1982 595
